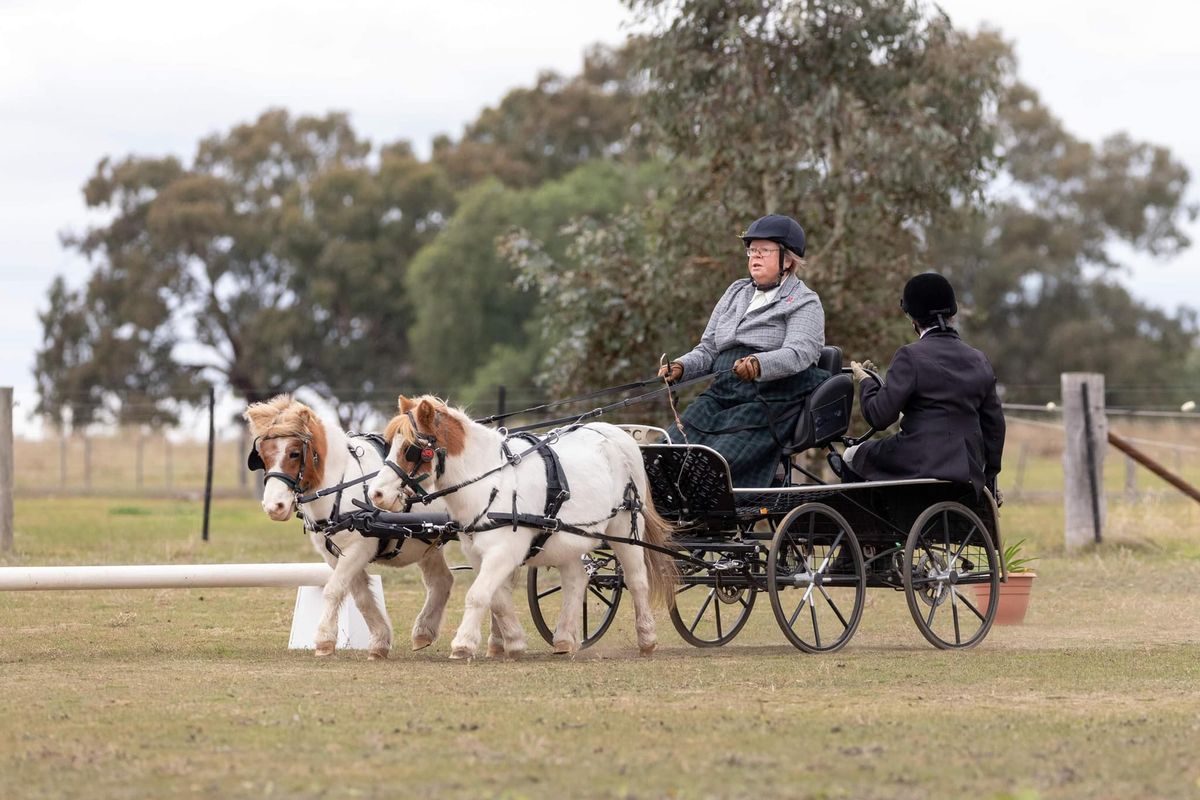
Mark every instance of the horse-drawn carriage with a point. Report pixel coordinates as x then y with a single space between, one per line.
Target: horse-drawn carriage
813 547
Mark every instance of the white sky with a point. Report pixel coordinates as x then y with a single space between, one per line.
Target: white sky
81 80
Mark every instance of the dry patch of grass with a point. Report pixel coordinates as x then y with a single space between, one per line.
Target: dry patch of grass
192 692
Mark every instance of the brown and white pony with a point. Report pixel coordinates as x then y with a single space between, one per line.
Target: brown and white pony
314 454
600 462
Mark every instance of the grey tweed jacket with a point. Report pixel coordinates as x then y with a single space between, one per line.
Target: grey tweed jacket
788 332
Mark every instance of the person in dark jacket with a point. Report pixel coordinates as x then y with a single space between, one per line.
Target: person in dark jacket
952 426
762 341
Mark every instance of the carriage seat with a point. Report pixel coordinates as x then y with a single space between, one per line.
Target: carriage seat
826 413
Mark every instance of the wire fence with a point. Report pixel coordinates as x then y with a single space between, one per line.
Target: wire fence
139 461
1033 454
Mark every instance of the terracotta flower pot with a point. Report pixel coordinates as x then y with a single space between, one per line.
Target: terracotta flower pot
1014 597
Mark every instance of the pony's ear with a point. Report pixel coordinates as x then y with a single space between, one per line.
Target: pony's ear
259 416
306 418
403 404
427 413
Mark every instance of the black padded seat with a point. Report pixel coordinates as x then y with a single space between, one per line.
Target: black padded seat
826 413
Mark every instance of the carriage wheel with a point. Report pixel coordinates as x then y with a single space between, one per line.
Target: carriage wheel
709 613
816 579
948 548
600 603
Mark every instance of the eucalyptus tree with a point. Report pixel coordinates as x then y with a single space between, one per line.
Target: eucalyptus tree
276 258
864 120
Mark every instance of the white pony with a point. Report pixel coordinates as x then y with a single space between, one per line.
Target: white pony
601 463
303 454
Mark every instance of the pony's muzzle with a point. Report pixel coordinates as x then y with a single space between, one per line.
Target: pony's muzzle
277 509
388 500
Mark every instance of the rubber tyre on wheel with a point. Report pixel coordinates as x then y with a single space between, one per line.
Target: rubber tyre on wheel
706 627
815 552
949 547
601 601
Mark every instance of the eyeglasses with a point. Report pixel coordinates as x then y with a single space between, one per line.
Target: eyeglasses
762 252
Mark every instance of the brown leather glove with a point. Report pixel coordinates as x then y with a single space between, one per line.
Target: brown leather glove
747 368
673 372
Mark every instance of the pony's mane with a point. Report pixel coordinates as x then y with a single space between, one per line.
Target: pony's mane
450 430
280 416
399 424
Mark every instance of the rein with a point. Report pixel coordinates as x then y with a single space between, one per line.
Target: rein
545 406
626 403
602 409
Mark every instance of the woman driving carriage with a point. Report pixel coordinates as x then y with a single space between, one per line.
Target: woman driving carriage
762 341
953 426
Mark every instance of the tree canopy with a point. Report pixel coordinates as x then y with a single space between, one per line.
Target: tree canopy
276 259
585 224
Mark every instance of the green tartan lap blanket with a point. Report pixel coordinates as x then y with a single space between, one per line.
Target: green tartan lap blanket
744 409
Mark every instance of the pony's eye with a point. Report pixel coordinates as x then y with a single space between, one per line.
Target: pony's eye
294 454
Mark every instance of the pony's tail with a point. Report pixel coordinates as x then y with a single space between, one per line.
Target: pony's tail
664 572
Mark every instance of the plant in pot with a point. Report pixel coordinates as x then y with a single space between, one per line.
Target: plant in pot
1014 593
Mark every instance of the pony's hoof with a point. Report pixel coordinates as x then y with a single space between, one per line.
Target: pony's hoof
377 654
324 648
563 648
647 649
495 650
421 642
462 653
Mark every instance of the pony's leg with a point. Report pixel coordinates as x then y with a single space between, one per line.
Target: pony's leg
495 566
637 581
568 636
438 580
378 623
495 638
507 636
352 562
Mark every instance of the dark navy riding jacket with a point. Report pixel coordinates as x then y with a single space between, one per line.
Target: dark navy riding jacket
953 427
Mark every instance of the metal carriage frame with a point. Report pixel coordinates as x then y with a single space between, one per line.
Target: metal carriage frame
814 548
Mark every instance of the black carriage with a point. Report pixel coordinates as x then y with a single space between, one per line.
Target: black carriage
814 548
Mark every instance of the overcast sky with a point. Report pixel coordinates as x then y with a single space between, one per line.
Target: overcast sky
82 80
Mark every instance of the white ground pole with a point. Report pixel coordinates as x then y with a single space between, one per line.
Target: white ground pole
309 578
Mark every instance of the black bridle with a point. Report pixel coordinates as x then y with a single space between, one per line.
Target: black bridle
254 462
423 450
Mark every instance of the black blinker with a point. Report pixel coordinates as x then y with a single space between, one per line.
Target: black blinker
254 461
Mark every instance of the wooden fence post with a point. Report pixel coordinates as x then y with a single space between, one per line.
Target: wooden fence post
140 462
62 457
168 463
1022 458
6 469
87 462
243 447
1131 491
1086 428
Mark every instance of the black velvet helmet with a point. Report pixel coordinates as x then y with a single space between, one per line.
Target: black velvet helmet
777 228
927 297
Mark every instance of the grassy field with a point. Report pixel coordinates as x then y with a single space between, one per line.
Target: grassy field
186 693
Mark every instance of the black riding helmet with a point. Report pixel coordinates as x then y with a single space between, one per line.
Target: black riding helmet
929 298
782 230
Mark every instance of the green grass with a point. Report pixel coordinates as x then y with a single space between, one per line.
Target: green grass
193 693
